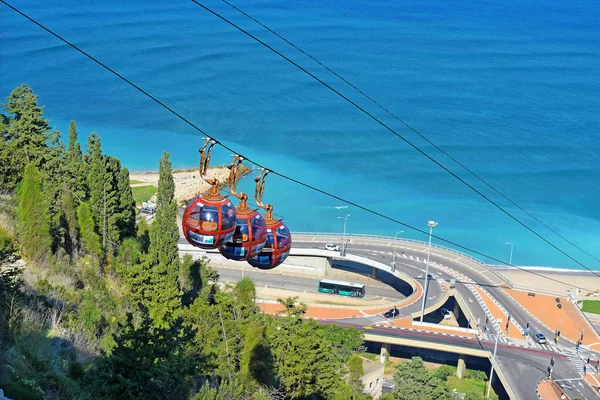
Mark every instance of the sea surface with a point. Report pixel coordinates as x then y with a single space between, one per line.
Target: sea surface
510 89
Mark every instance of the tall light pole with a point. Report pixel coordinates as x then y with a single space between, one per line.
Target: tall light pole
394 260
510 259
499 320
432 224
343 250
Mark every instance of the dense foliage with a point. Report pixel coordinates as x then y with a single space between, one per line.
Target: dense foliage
102 307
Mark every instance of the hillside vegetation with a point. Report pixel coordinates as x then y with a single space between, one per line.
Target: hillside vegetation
96 306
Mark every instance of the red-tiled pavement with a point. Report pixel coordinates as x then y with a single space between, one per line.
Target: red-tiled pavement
572 322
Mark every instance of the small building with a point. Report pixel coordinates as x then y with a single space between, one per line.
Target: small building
372 378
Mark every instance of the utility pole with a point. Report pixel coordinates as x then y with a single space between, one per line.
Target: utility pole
432 224
343 249
493 362
394 260
510 259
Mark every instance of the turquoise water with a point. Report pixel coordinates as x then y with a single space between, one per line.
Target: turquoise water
510 89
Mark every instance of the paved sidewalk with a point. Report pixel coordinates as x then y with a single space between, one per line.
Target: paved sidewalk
572 322
549 390
513 331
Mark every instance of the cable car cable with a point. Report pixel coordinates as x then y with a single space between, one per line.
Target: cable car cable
371 211
364 111
475 175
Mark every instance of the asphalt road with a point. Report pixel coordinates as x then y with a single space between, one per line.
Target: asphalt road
295 283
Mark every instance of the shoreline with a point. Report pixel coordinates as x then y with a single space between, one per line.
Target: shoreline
188 182
568 271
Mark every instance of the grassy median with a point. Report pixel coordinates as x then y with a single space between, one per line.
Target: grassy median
143 193
591 306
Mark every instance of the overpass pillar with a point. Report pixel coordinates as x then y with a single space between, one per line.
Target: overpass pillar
385 352
456 309
374 273
461 367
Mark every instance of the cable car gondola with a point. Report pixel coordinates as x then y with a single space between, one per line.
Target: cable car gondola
250 233
279 238
210 218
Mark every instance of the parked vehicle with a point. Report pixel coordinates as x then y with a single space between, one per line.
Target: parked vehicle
445 313
540 338
332 247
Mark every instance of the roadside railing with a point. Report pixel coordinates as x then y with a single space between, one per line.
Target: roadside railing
414 241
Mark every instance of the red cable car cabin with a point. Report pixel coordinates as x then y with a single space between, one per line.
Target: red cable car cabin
277 248
250 233
249 237
209 221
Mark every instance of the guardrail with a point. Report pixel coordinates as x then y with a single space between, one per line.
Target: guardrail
419 242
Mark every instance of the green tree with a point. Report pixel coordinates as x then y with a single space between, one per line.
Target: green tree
25 136
89 238
32 213
355 372
96 174
126 209
245 292
155 281
415 382
75 169
474 395
147 363
305 361
164 232
346 341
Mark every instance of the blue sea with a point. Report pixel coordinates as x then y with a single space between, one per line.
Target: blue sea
509 88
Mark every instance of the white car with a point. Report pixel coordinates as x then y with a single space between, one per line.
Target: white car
445 313
332 247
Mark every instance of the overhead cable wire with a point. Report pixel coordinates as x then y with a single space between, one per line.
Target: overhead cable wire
475 175
286 177
387 127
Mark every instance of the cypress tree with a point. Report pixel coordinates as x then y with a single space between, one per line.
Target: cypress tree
164 233
32 213
96 171
113 209
76 176
162 295
126 221
89 238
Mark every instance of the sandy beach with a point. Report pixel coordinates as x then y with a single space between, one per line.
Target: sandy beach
188 183
567 281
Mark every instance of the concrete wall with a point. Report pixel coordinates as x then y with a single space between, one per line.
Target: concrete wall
373 378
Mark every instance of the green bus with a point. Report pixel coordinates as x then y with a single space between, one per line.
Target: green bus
343 288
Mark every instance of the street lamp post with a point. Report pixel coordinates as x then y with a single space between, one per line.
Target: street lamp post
343 250
489 389
432 224
394 259
510 259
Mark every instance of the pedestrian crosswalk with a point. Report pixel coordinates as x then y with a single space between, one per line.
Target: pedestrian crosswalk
377 319
531 344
